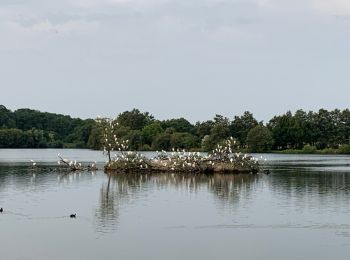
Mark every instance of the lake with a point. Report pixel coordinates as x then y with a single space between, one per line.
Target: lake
299 211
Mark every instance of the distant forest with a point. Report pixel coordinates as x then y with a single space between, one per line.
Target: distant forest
307 132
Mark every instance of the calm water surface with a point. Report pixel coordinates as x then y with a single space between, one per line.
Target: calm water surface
300 211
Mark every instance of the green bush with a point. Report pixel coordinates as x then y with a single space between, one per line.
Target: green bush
344 149
309 149
146 147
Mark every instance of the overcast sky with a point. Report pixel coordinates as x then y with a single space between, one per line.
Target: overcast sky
175 58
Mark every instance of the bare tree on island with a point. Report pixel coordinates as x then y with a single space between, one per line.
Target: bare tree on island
110 141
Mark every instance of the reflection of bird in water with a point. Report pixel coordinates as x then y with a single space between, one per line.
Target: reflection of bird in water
266 171
1 210
73 215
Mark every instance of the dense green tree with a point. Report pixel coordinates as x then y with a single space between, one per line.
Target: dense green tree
219 131
95 137
178 125
325 127
134 119
345 126
204 128
6 118
136 140
259 139
283 133
42 130
302 128
27 128
149 132
241 125
80 135
12 138
163 140
206 143
183 141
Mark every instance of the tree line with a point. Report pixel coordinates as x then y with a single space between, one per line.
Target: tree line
304 131
27 128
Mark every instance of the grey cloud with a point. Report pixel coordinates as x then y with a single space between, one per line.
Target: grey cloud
174 58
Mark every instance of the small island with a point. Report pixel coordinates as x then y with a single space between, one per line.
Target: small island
223 159
183 162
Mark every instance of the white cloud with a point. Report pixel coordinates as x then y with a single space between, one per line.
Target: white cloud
333 7
98 3
70 26
37 34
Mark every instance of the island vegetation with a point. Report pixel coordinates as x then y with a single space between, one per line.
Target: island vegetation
222 159
300 132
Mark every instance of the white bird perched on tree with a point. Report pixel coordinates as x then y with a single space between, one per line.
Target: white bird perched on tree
33 162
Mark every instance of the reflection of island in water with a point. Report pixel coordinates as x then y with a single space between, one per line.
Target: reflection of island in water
120 189
308 188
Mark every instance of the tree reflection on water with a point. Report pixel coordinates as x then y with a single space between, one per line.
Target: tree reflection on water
122 189
108 212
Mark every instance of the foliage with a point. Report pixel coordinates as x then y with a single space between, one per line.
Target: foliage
259 139
178 125
162 141
149 132
26 128
182 140
34 138
241 125
344 149
322 129
95 138
327 131
134 119
309 149
204 128
219 131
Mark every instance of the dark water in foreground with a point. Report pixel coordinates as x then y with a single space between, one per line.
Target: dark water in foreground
300 211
